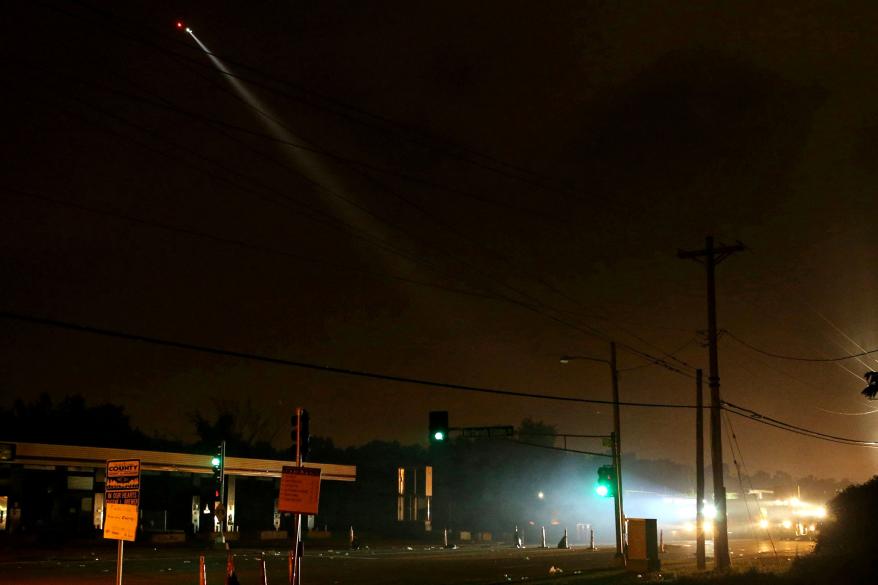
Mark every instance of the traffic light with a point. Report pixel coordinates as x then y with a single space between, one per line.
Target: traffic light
606 485
300 432
438 426
217 462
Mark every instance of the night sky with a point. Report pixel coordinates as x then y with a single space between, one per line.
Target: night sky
455 191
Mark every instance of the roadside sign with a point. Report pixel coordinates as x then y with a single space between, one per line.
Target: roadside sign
299 490
120 522
123 482
122 499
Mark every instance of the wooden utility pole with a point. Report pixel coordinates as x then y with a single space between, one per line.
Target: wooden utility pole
699 472
713 256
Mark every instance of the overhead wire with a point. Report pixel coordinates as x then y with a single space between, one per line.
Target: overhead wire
770 421
531 303
759 418
734 409
239 243
444 225
628 347
798 358
839 364
733 444
182 345
522 304
314 213
799 380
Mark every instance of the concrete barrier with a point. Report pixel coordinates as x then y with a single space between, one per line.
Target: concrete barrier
273 535
167 537
318 535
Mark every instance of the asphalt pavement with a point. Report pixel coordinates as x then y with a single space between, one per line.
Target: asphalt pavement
402 565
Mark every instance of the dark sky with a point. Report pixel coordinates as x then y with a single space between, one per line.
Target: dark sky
454 161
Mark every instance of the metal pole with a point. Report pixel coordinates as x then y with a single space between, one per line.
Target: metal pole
699 471
222 494
119 562
721 535
617 457
296 561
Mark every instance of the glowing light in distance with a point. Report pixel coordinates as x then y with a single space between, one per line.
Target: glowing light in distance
215 461
710 511
541 495
820 512
439 436
786 524
763 523
601 490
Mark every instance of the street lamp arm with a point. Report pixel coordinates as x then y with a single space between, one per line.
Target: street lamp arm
569 358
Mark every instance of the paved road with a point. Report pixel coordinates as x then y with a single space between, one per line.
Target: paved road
468 565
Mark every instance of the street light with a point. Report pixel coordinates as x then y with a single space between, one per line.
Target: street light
617 440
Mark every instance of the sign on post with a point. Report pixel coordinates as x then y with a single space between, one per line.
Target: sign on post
122 498
299 490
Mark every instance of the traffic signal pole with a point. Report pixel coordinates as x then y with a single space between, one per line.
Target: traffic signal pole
616 439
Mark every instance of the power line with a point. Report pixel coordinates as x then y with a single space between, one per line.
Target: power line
315 215
312 366
767 420
241 244
532 303
537 307
798 358
734 437
734 409
784 428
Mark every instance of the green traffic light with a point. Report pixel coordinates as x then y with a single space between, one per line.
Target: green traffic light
215 461
439 436
602 490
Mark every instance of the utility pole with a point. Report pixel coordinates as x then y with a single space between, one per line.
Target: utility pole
699 471
713 256
617 452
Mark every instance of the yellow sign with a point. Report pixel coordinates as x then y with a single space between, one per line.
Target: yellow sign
120 522
299 490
